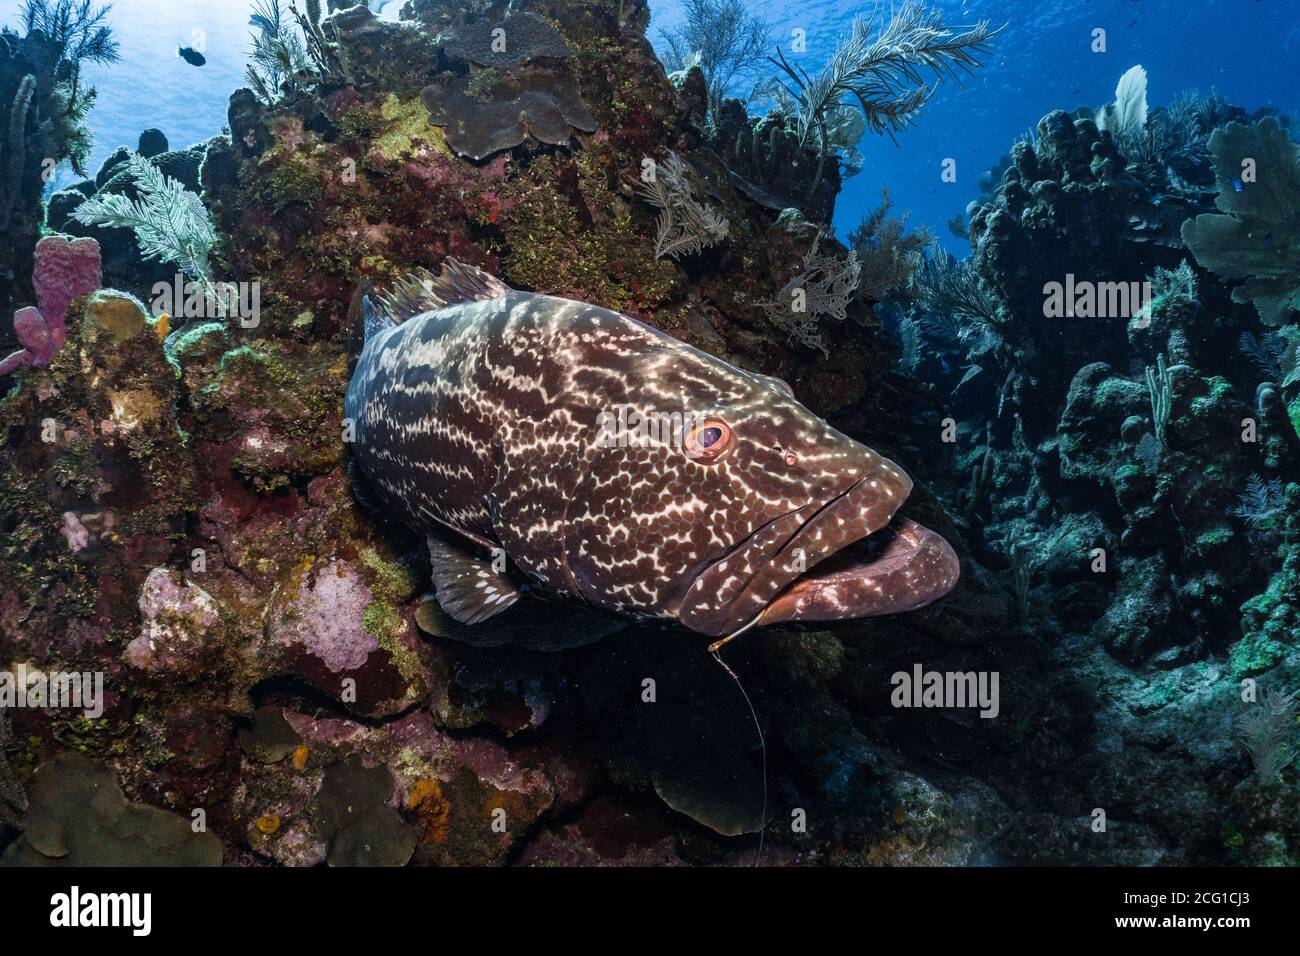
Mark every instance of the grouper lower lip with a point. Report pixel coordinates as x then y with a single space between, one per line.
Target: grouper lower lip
792 571
910 567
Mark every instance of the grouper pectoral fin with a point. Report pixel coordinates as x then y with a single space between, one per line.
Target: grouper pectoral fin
469 589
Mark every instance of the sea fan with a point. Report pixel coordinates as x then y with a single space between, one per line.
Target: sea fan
1128 114
909 343
685 225
1254 234
1261 501
170 223
1264 729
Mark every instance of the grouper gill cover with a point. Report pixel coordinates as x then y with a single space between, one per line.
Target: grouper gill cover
480 415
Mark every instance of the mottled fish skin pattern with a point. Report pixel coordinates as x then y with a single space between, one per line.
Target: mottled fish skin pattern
483 418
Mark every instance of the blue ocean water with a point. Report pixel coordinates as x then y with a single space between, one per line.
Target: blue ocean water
1246 50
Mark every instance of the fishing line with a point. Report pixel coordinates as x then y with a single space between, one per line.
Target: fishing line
762 742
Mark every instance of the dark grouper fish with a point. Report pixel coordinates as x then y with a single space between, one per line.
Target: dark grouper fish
481 418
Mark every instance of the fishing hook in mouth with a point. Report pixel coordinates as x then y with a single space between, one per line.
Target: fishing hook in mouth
723 642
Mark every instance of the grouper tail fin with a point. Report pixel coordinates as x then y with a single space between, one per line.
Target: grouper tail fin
422 291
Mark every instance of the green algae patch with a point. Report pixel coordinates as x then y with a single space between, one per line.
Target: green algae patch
1214 538
381 621
292 182
391 579
555 244
406 123
1219 390
1269 628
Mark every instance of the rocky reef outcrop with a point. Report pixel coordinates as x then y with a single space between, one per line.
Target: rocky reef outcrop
270 654
1130 470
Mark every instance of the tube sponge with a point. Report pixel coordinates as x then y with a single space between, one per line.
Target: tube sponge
62 271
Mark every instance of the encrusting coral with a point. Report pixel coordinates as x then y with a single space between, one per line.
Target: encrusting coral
546 110
501 106
78 816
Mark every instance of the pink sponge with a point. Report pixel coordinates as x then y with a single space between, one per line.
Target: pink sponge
64 270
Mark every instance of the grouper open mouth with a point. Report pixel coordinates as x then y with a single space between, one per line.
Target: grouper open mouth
901 568
852 557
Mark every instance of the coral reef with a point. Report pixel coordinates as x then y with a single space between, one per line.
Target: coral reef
177 509
1126 472
199 539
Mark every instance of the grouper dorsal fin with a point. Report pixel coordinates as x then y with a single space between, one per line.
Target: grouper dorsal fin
422 291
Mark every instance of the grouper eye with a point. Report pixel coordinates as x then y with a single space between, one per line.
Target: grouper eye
709 440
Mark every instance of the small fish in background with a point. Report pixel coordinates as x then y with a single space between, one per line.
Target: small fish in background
191 56
1238 186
